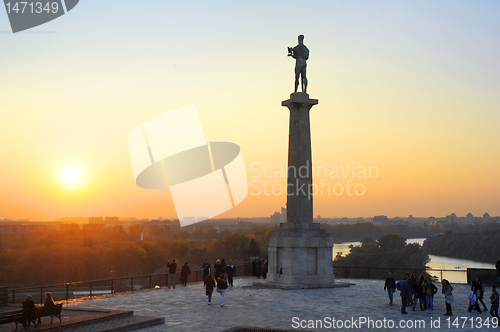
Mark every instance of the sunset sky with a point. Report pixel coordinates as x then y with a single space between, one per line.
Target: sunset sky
410 87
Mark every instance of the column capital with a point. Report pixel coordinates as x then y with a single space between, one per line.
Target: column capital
299 97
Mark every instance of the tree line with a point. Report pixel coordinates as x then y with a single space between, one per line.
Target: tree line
390 250
355 232
477 245
52 257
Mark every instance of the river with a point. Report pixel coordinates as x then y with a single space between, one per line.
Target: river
459 266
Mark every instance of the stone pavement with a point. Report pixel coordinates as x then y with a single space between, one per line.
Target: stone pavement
87 320
186 309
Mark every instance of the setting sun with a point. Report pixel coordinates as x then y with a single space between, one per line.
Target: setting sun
72 176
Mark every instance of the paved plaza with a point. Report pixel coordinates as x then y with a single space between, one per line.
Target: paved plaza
186 309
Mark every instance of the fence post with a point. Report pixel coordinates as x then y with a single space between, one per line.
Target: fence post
112 286
90 290
131 284
67 292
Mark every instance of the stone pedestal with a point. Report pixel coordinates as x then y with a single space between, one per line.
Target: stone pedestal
300 253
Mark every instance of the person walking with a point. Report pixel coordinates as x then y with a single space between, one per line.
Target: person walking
494 301
172 266
497 266
390 286
265 267
223 262
405 291
419 293
185 272
218 269
472 297
480 295
231 272
412 281
448 296
206 270
222 285
209 287
258 266
429 290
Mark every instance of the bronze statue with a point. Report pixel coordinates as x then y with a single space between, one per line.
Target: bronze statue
300 53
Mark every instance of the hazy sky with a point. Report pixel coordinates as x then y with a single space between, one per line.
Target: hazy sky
410 87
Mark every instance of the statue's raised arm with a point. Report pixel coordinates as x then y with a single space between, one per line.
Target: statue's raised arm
300 53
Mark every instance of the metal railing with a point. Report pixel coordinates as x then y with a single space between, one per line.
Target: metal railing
80 289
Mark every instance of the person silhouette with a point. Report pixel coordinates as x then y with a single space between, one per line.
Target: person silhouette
300 53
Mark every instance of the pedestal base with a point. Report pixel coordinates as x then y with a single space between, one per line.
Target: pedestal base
273 285
301 254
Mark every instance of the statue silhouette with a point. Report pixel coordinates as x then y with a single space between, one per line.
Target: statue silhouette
300 53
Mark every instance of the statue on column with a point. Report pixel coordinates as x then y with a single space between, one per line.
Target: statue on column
300 53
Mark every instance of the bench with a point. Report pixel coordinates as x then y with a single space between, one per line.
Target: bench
52 311
18 316
12 317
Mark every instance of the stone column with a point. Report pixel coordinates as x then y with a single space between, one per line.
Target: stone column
299 185
300 252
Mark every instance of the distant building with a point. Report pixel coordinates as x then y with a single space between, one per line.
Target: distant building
452 218
96 220
277 218
129 219
233 227
173 225
111 220
188 220
161 224
469 217
69 227
93 227
380 220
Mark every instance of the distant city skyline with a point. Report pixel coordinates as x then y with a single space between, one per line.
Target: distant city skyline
283 211
408 87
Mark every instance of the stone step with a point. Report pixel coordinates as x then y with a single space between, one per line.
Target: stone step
117 324
90 319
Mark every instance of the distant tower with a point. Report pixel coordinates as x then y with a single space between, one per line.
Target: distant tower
469 217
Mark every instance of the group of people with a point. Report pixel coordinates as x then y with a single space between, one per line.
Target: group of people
422 291
412 291
261 266
29 308
224 274
172 267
